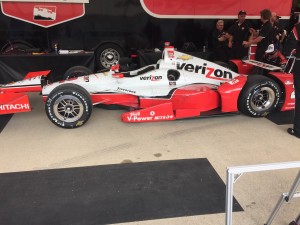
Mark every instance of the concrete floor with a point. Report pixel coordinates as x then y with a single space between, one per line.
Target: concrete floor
31 142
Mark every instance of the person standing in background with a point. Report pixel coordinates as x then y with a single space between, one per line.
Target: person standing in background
239 32
279 32
295 131
264 37
220 42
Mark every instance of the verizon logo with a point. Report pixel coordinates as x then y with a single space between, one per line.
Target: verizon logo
207 71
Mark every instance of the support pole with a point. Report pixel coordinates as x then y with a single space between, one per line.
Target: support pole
285 197
229 197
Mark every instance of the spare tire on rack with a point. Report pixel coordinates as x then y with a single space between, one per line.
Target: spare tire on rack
77 71
108 54
16 46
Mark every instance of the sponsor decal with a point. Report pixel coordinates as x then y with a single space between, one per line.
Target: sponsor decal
136 117
126 90
185 57
172 82
14 107
79 123
292 104
170 54
41 12
288 82
209 72
234 81
262 65
86 78
293 96
46 14
135 114
289 108
152 78
148 118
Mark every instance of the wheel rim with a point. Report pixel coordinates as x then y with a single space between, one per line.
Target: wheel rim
262 99
109 57
68 108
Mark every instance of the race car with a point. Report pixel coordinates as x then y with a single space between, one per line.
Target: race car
178 86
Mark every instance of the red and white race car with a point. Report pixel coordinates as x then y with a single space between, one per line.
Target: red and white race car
178 86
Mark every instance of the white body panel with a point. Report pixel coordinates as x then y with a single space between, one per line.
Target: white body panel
155 82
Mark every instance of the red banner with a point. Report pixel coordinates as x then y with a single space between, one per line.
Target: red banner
214 8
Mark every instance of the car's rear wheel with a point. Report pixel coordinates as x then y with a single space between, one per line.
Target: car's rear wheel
224 64
259 97
77 71
69 106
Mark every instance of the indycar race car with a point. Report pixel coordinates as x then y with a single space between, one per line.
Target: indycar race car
178 86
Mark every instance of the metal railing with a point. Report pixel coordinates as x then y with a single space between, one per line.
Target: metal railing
233 173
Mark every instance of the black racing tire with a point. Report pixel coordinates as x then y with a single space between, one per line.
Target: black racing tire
69 106
107 55
77 71
233 67
16 47
224 64
259 97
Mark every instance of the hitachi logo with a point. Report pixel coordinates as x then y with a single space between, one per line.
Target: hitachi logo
207 71
14 107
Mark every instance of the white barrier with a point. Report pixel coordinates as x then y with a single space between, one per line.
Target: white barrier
233 173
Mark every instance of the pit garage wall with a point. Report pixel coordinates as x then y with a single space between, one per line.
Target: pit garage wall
135 23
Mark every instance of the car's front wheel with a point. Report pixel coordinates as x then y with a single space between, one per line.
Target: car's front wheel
69 106
259 97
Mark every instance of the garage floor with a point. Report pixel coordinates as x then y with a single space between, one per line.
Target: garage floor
30 142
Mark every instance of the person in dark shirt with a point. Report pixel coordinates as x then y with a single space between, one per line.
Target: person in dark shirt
239 32
264 37
279 32
220 42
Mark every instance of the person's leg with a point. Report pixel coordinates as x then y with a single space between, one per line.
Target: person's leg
297 107
296 128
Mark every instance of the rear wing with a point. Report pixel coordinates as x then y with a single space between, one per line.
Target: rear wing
262 65
14 103
13 96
